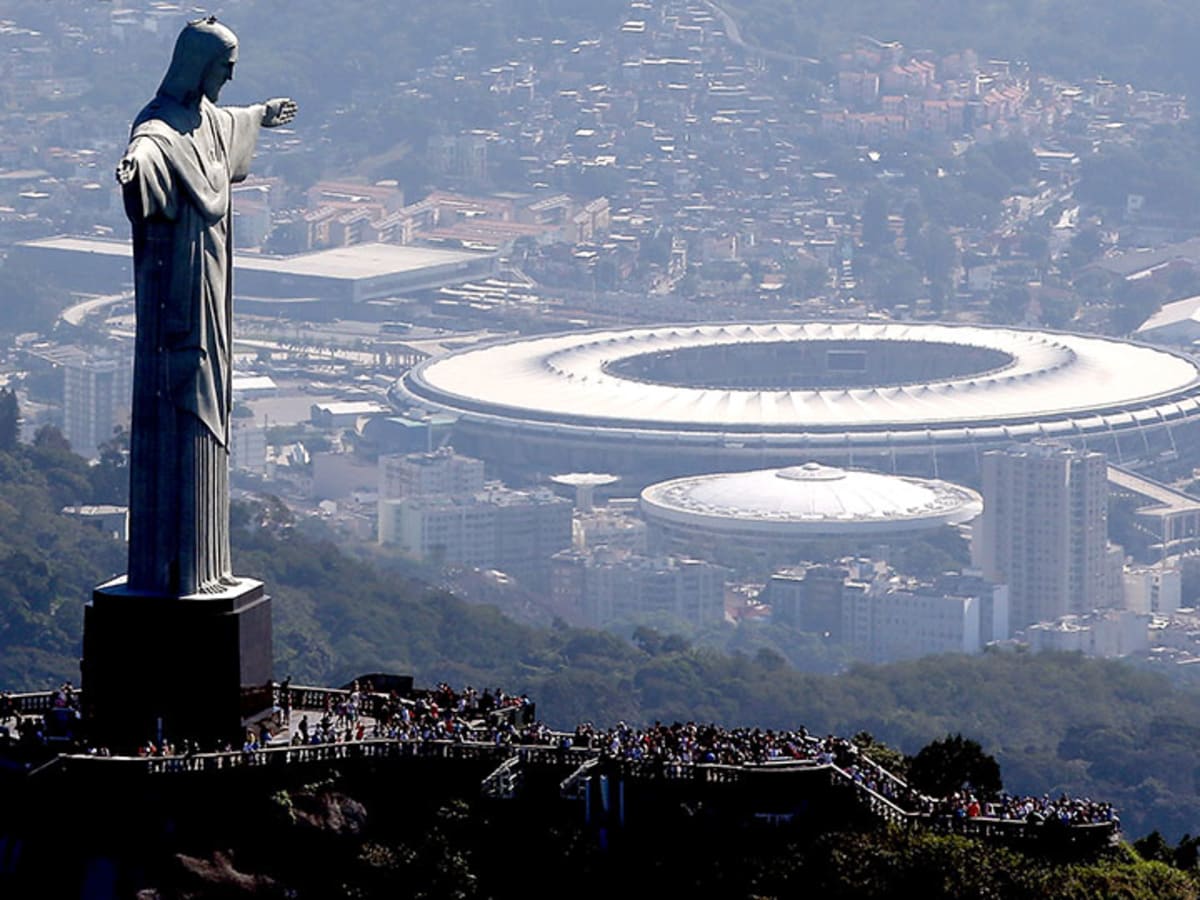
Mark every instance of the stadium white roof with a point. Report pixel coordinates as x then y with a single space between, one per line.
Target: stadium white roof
1072 383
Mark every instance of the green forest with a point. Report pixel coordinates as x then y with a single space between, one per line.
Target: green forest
339 839
1054 722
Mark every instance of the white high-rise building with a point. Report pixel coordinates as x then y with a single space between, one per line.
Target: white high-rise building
1106 632
460 530
442 473
1044 530
436 506
247 446
97 396
1157 590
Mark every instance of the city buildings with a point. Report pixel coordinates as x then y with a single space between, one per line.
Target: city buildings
441 473
1106 632
97 391
314 284
1044 531
878 616
437 506
608 587
247 445
1157 590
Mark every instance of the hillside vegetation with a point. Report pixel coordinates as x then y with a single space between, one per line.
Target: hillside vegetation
1054 722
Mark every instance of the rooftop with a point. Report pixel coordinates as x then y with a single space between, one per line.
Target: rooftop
812 500
630 377
353 262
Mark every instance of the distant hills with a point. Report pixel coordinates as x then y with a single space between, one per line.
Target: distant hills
1146 43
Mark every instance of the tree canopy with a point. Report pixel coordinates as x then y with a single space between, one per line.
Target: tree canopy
1053 722
953 764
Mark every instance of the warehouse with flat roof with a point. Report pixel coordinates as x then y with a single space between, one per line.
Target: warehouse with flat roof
341 276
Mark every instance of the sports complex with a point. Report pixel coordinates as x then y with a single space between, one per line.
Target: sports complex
781 508
913 398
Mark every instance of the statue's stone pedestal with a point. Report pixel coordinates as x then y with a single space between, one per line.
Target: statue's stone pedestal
200 665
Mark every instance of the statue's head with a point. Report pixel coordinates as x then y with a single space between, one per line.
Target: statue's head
203 61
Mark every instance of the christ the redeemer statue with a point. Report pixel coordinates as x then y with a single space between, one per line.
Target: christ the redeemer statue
184 153
178 647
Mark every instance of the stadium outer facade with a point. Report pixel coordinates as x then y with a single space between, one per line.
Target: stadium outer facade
781 509
913 398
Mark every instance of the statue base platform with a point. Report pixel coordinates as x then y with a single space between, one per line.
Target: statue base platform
156 667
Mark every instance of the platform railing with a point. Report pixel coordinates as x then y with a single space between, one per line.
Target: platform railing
28 704
508 759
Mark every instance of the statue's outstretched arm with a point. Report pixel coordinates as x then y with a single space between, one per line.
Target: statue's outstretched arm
127 168
278 111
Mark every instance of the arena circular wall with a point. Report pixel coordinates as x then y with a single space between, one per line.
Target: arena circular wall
786 507
917 398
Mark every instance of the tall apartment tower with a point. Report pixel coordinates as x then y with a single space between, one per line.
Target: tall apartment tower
1044 530
97 394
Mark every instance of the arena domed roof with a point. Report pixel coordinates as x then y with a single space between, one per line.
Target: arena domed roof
809 501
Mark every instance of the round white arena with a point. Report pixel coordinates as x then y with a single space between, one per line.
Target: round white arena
901 397
798 504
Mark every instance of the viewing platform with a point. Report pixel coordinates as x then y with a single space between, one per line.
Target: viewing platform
497 750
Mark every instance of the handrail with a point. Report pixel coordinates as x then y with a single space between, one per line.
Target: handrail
510 758
374 748
982 826
34 701
882 806
374 704
570 786
503 780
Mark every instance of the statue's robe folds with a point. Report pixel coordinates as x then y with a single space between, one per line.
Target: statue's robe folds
179 206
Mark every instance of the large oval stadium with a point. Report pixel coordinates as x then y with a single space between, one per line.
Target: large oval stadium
917 398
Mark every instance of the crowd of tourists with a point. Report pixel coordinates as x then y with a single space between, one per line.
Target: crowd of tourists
495 717
60 721
696 743
442 714
446 715
1046 808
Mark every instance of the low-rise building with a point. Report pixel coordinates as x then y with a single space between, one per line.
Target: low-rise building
489 527
607 587
1156 590
1107 633
879 617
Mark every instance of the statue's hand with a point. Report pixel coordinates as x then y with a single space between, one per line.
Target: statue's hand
126 169
278 111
